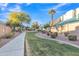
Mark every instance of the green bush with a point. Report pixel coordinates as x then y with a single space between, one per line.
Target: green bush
48 33
66 33
43 32
72 37
39 30
9 35
54 35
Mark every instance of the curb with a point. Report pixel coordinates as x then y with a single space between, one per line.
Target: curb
59 41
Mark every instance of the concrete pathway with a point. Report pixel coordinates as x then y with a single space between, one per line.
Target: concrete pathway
59 41
14 47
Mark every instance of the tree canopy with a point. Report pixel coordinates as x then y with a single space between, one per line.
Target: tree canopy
16 18
35 25
46 25
52 11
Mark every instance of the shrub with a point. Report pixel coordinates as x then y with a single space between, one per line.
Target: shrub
39 30
9 35
66 33
72 37
43 31
48 33
54 35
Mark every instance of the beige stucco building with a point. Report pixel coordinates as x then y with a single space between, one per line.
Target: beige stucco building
68 15
70 26
77 13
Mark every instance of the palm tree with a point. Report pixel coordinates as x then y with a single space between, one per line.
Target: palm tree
51 12
35 25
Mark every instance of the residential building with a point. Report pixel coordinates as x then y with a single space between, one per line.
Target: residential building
69 21
68 15
77 13
72 15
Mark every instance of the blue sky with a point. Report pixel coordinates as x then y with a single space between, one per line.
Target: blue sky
37 11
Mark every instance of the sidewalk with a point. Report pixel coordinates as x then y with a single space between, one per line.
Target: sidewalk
61 41
14 47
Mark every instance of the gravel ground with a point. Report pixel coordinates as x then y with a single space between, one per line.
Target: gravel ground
5 41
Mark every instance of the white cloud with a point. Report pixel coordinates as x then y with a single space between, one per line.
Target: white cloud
16 8
3 6
28 4
4 17
59 5
54 7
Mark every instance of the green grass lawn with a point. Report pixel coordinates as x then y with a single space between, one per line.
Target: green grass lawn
43 47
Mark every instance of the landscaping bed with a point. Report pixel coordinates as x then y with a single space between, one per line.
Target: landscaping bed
43 47
7 38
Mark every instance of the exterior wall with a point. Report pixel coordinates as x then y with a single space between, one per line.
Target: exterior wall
4 30
53 29
68 15
77 12
70 27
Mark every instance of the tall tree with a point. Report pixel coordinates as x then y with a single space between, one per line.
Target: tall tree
46 25
16 18
52 12
24 17
35 25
